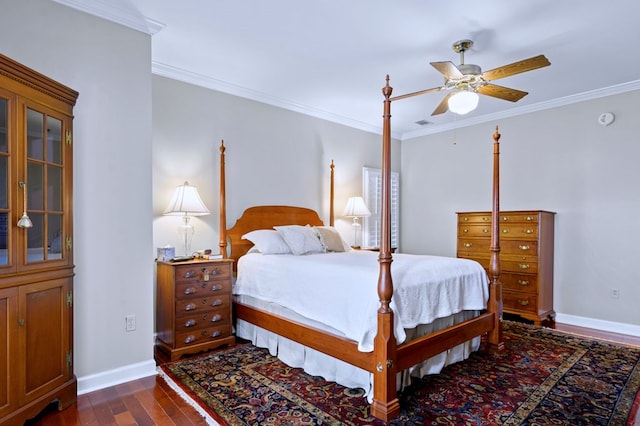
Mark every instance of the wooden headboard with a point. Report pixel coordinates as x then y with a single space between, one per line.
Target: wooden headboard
266 217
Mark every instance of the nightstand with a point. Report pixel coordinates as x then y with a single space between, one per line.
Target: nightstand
193 306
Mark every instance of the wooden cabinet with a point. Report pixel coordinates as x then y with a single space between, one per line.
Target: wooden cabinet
36 241
526 258
193 306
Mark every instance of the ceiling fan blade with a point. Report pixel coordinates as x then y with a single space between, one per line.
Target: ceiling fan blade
516 68
501 92
448 69
443 106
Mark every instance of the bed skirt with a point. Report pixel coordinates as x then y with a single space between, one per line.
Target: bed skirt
331 369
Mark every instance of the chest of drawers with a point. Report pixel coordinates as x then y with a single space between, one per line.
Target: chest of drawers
193 306
526 258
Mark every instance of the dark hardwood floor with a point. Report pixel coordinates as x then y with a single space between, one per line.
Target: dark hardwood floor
150 401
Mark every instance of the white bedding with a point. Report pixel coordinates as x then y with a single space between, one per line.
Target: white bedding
340 289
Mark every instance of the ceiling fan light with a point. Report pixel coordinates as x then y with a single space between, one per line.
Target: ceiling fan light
463 101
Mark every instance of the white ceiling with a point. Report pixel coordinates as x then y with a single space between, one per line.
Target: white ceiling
329 58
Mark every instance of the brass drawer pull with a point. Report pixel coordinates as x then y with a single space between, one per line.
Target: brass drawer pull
215 333
485 230
216 287
466 219
523 282
465 230
523 302
524 266
190 307
486 219
216 318
216 302
190 323
505 231
528 218
528 231
506 218
190 339
524 247
190 290
468 245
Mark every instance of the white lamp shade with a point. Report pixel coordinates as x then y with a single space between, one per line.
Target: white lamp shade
356 207
186 200
463 101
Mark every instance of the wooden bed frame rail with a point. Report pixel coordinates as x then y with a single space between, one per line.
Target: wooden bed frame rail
388 357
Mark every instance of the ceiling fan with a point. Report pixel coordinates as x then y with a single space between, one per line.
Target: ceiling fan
468 80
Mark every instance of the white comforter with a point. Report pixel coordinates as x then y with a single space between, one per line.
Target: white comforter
340 289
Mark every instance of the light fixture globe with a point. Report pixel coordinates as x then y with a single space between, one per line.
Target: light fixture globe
463 101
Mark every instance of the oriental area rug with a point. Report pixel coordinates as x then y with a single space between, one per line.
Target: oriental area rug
543 377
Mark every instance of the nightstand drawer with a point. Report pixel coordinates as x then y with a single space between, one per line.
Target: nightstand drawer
205 335
216 318
202 288
189 273
193 306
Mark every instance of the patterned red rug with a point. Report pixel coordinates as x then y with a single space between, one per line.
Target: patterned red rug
542 378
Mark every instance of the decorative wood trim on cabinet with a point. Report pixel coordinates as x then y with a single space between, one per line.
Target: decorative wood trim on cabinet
526 240
193 306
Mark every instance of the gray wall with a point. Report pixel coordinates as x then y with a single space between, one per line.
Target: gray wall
560 160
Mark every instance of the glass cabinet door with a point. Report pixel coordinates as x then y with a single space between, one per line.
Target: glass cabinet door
44 186
5 212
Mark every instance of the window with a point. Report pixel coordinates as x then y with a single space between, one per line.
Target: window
372 194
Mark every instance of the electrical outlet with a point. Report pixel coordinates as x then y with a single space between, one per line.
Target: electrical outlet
130 322
615 293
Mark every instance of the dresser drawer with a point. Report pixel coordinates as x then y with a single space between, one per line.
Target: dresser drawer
519 247
520 231
519 282
202 288
474 218
196 306
519 301
525 217
529 265
204 335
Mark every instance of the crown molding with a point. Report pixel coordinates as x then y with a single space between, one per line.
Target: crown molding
183 75
113 11
554 103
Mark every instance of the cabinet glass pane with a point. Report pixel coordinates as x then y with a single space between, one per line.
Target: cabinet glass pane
4 238
54 233
35 128
4 176
54 188
35 183
35 238
3 125
54 140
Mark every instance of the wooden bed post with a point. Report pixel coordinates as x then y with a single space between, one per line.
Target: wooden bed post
385 404
331 192
494 305
223 205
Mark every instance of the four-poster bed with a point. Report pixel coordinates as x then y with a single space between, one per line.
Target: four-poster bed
387 358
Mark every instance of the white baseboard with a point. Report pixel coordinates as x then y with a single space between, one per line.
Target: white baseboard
116 376
610 326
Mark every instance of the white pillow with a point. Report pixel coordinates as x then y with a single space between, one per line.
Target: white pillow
267 241
300 239
331 239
